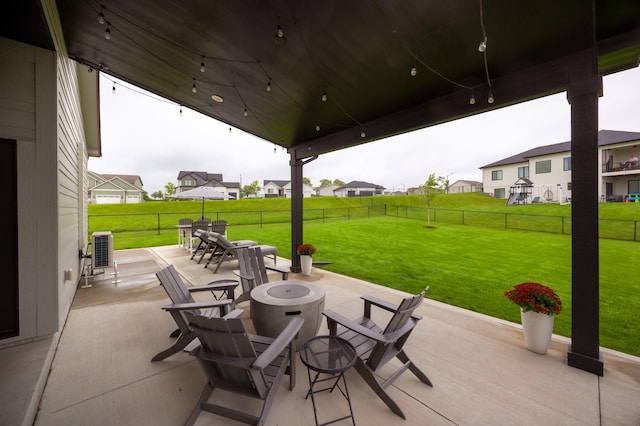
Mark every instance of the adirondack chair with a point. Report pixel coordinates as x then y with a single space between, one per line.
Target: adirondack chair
253 271
183 302
209 244
244 364
375 347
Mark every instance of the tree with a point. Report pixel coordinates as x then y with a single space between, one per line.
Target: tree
251 189
307 181
158 195
170 188
338 182
433 187
325 182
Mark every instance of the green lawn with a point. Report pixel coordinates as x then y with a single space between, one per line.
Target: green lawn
467 266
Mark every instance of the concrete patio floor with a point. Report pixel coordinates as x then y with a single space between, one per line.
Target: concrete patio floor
100 373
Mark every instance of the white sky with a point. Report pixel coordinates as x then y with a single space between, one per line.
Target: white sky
146 136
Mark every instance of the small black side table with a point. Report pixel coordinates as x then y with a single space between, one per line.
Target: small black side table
329 355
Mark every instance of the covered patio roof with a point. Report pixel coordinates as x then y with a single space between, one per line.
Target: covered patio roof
359 53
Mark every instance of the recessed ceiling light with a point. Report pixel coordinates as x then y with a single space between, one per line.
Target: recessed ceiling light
217 98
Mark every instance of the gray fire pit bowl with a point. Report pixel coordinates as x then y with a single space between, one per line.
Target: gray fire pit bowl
274 304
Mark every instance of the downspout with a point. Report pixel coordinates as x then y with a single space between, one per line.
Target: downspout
296 207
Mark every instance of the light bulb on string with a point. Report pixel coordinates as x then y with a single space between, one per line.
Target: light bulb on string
490 98
483 45
324 96
317 127
279 38
101 18
202 65
414 71
107 33
245 112
362 134
269 86
193 88
472 100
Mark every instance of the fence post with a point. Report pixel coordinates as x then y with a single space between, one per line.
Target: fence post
260 218
158 223
562 225
635 230
506 225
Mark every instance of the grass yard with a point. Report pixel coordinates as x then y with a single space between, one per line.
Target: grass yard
466 266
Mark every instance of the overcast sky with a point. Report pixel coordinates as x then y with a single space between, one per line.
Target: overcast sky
145 135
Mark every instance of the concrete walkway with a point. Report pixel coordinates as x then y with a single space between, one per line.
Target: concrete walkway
482 373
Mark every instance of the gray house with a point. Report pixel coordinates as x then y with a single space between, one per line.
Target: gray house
358 188
190 179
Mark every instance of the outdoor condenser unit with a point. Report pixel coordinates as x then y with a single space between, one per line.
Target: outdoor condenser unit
102 252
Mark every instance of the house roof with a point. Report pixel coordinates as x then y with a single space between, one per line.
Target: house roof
468 182
279 183
206 177
605 137
130 179
359 53
360 184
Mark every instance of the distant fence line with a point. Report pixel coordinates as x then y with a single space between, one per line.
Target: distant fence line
617 229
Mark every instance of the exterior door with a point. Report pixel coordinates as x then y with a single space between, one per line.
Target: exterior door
9 323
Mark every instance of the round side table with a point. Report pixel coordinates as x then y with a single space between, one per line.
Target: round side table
331 356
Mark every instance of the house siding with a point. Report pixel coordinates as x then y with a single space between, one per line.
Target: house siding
28 104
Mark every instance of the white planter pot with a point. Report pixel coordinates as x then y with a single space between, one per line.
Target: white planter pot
537 329
305 264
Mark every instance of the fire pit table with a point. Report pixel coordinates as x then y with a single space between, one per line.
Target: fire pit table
273 305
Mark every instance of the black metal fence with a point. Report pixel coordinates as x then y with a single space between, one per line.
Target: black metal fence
608 228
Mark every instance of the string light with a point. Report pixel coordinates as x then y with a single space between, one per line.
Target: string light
483 45
472 100
269 86
202 65
279 38
490 98
107 33
362 134
246 112
101 17
324 96
317 127
193 88
414 71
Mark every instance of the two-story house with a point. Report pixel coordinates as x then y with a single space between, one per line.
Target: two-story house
548 168
282 189
358 188
190 180
114 189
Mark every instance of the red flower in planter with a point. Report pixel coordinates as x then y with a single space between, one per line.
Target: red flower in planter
535 297
307 249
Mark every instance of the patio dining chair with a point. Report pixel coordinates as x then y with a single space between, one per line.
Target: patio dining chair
241 363
376 347
183 303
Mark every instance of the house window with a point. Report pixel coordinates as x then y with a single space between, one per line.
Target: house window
269 190
498 193
543 166
568 186
523 172
496 175
634 186
566 163
187 182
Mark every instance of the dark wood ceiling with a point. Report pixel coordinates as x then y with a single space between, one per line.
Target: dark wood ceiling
359 52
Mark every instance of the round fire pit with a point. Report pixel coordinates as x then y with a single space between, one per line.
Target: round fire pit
274 304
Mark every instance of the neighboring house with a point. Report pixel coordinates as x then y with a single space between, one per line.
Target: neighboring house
358 189
189 180
460 186
327 191
282 189
114 189
549 170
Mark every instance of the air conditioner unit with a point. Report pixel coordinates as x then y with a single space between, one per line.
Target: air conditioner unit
102 252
